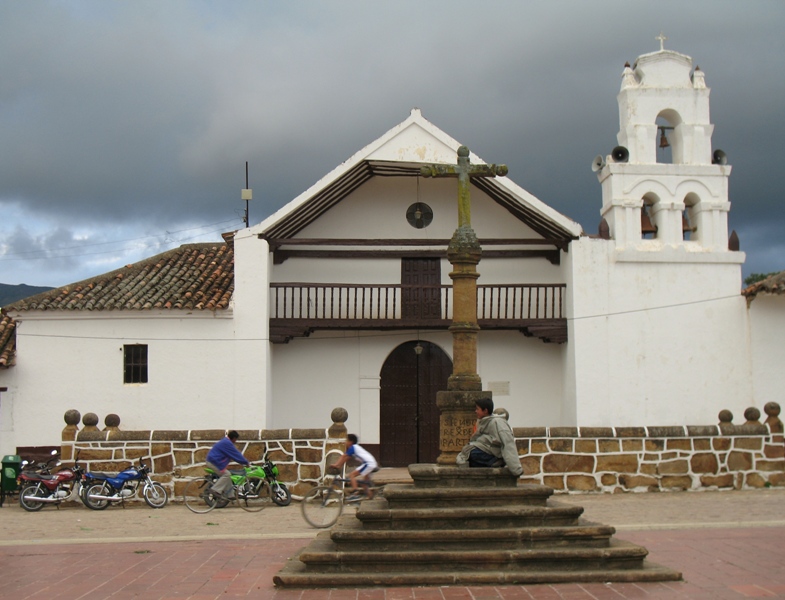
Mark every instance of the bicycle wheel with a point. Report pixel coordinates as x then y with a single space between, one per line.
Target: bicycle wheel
253 495
198 497
28 494
281 494
155 495
322 506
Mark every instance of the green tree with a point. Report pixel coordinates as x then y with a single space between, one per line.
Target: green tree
756 277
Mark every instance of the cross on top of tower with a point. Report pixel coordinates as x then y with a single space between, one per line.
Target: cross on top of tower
661 39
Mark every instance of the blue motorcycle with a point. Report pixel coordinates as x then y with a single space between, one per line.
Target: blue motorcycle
126 484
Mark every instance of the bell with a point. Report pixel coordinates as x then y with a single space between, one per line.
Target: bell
646 225
663 140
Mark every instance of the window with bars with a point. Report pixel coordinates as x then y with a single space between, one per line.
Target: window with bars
135 363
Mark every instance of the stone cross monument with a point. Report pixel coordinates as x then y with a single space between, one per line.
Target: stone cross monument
464 385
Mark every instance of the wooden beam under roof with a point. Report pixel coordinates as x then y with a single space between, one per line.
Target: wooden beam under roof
355 177
278 242
280 256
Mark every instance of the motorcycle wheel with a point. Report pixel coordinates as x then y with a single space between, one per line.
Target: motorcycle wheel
252 496
281 494
197 496
83 492
155 495
322 506
35 489
97 489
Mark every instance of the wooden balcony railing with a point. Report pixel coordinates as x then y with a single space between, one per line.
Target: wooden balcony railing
305 307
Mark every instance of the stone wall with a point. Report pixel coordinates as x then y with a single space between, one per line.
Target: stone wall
177 456
626 459
568 459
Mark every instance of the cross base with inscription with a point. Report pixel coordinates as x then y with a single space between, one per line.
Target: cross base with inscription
456 422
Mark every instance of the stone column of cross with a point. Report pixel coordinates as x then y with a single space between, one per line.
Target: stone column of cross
464 385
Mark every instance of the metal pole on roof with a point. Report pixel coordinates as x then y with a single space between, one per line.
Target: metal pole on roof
246 194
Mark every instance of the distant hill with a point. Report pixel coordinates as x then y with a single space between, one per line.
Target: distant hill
11 293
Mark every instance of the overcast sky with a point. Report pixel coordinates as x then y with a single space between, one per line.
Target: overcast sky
125 126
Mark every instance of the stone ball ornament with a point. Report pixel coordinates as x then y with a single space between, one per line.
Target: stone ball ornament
90 420
72 417
339 415
752 414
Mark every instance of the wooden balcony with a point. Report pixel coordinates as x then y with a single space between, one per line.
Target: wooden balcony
298 309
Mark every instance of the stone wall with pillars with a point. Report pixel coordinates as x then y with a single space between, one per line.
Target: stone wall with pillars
640 459
568 459
177 456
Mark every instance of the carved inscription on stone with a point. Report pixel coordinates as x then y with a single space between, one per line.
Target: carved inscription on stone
455 428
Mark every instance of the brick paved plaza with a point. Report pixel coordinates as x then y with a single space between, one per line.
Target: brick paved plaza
727 544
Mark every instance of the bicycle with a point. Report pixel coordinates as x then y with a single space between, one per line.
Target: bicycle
322 505
250 489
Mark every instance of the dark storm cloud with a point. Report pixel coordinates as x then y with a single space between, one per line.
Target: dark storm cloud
125 120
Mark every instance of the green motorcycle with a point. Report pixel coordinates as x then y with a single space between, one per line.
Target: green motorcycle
253 488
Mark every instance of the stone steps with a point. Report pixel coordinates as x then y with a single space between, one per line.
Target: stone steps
324 555
296 575
459 526
350 535
408 496
376 514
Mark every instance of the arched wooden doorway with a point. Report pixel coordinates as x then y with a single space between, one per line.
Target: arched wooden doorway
409 428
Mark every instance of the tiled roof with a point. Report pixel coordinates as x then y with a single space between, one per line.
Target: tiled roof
7 341
771 285
191 277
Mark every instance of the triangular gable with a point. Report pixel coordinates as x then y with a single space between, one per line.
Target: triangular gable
399 153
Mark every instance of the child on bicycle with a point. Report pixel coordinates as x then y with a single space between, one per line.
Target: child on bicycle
367 467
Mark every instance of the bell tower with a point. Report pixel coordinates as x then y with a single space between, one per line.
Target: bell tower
664 191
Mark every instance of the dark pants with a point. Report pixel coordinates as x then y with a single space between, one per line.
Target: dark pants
478 458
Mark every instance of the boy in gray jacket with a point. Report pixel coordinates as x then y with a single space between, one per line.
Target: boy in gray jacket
493 444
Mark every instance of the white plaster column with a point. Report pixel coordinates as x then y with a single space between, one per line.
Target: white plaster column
667 217
712 224
252 360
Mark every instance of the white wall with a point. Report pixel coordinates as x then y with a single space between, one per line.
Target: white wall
378 210
69 361
8 380
654 343
313 375
767 332
532 370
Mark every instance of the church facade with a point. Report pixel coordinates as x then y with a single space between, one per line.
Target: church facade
343 298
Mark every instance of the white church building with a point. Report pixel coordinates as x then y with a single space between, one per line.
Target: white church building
343 298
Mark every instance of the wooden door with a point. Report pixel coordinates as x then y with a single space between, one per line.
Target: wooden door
421 297
409 417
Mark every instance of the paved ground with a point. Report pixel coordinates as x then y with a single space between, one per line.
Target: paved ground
727 544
